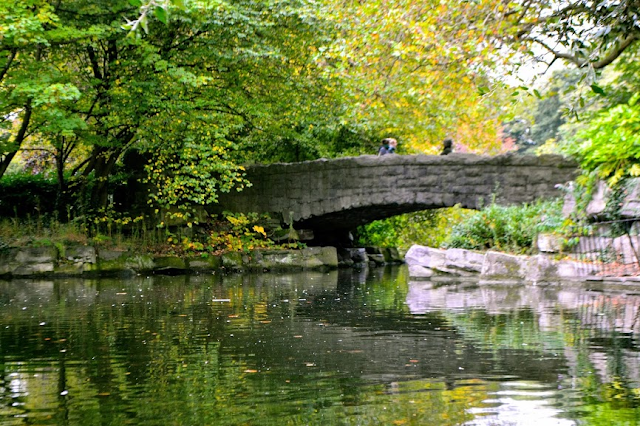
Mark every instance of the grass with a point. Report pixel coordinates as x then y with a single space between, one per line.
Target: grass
233 233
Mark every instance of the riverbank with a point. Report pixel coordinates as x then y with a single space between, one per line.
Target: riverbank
426 263
91 261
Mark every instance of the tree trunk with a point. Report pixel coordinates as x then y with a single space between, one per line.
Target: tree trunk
61 196
6 160
17 141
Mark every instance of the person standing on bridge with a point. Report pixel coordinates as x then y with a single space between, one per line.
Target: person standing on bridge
388 146
393 144
447 146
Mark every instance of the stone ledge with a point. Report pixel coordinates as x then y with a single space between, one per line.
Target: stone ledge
89 261
426 263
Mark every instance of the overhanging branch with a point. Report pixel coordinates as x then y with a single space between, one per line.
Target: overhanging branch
610 56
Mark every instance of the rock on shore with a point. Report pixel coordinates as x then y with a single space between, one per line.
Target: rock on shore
426 262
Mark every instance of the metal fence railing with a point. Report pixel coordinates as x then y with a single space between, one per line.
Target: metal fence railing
608 249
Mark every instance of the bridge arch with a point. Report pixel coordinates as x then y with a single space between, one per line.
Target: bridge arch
332 196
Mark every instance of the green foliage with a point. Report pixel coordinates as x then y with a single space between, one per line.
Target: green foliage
510 229
193 173
198 87
609 146
112 229
589 34
548 118
38 232
25 194
239 232
417 70
583 192
203 87
428 227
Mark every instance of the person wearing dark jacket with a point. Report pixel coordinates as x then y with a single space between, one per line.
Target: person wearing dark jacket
388 146
447 146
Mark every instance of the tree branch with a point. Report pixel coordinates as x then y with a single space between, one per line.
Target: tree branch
615 52
611 56
94 62
6 67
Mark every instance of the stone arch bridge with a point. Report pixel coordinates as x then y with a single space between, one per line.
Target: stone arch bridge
332 197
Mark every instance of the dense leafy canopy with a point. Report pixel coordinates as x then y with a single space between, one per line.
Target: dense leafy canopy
178 94
418 70
610 144
188 91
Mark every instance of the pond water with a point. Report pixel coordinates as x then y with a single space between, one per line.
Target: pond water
338 348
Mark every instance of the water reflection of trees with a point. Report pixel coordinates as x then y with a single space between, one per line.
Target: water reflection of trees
596 332
337 341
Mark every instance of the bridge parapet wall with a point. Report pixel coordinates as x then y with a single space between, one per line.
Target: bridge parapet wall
346 192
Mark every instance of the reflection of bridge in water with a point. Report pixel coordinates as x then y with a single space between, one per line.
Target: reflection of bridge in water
333 196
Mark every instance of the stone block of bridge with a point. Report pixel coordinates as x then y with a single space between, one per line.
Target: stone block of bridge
342 193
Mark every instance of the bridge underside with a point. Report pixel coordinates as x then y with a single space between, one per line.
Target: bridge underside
335 228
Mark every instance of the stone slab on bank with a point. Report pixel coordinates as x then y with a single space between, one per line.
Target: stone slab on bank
62 261
426 262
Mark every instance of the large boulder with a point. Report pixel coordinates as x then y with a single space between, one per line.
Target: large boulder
169 265
569 270
75 260
543 268
207 263
352 257
305 259
549 243
631 204
465 260
503 267
540 268
391 255
375 256
35 261
8 260
425 256
117 262
232 261
628 248
424 261
598 203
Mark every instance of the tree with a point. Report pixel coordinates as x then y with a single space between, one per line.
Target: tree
548 119
589 34
418 70
190 91
609 145
28 31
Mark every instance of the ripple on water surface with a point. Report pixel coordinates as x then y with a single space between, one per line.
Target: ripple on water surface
314 349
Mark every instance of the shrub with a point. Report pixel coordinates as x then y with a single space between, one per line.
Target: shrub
510 229
26 195
609 145
428 227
